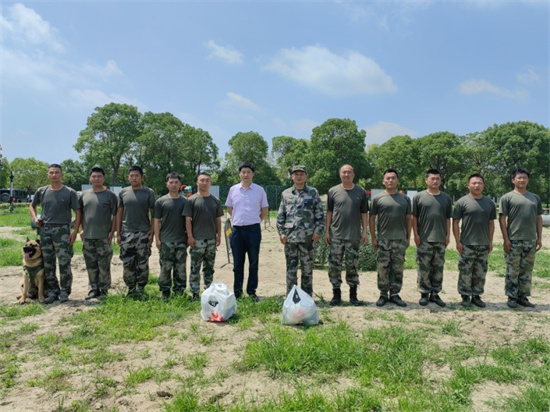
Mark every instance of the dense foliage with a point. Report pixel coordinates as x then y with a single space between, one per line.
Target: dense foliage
118 135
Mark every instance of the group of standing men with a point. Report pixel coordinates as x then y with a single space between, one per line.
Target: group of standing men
178 223
391 219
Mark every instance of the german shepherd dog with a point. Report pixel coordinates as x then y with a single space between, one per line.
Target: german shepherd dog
32 282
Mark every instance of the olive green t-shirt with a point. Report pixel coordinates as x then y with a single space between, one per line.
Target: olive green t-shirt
346 207
432 212
203 212
391 211
475 215
56 204
98 212
172 224
522 211
136 204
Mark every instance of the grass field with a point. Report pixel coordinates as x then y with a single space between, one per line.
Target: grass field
94 358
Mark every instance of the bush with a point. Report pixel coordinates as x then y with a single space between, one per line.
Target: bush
367 255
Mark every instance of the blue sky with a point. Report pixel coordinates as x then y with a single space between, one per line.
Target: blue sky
277 68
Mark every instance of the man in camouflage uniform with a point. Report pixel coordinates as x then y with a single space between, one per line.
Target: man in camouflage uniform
300 221
135 232
432 230
347 219
203 213
56 238
521 225
171 238
99 209
391 237
474 240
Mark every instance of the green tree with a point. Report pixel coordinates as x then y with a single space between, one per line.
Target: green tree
248 147
400 153
201 153
444 151
29 174
517 144
169 145
288 151
335 143
109 139
4 170
75 173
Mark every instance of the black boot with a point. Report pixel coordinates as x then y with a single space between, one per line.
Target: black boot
424 299
353 296
336 298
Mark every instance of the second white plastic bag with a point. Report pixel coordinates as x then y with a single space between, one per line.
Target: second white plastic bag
299 308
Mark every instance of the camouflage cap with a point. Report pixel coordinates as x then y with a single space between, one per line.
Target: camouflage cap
298 168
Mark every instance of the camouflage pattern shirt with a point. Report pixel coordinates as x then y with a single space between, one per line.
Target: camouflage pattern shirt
300 214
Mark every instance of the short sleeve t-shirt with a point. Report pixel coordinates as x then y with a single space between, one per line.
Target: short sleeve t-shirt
391 211
475 215
432 212
203 212
172 224
136 204
98 212
56 204
522 211
346 207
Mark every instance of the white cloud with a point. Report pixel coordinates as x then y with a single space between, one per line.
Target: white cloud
109 69
479 86
236 100
27 27
35 57
95 98
528 77
318 68
225 53
382 131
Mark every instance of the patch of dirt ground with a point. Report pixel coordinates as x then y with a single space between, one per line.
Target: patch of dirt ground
494 325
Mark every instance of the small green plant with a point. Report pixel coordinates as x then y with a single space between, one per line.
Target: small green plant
451 327
137 376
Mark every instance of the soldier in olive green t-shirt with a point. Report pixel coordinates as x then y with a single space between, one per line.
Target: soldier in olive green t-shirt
99 209
392 212
432 229
474 240
521 225
135 234
346 230
171 238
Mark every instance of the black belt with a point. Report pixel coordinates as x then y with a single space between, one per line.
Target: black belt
55 224
247 226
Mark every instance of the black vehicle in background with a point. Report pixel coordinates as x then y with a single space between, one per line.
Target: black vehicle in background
19 195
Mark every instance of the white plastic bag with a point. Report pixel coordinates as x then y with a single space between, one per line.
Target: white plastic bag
298 308
218 303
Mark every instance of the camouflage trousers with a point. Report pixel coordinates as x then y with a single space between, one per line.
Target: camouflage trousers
295 254
202 255
134 254
54 241
519 268
391 259
472 269
430 259
97 255
173 260
338 249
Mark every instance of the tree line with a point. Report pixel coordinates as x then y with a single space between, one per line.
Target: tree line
117 136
